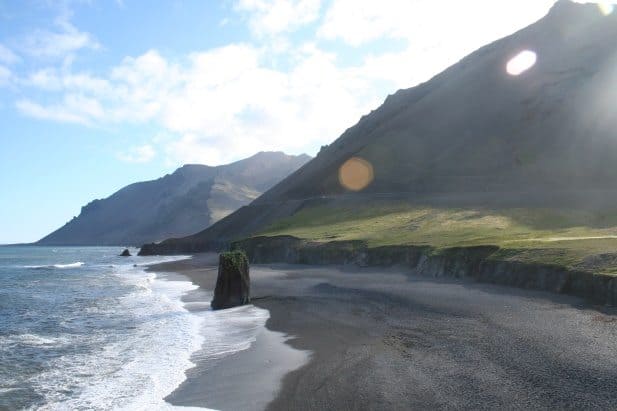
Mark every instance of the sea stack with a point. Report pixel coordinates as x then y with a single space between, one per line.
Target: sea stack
233 283
125 253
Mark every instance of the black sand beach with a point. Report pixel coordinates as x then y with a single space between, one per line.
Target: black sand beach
386 339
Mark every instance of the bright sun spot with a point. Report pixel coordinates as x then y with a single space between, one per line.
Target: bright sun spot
606 8
522 62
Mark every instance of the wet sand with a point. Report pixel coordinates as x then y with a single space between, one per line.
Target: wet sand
245 380
386 339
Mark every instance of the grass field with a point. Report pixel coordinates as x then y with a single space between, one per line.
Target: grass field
571 238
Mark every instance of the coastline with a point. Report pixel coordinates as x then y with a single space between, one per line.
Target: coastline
83 328
386 339
249 377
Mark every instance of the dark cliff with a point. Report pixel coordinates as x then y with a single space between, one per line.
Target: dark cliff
480 263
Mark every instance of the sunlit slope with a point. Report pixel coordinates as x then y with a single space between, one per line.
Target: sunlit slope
475 127
571 238
526 122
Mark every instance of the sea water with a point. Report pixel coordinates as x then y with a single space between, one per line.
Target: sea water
82 328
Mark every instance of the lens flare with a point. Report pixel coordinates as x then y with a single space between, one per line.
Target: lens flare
606 8
522 62
355 174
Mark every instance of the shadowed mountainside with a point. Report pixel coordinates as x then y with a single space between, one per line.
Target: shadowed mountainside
474 135
178 204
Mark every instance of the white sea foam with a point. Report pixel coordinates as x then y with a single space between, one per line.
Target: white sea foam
76 264
32 340
71 265
157 341
162 259
138 371
232 330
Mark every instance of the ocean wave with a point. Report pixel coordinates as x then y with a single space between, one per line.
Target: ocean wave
127 337
231 330
71 265
162 259
76 264
31 340
144 366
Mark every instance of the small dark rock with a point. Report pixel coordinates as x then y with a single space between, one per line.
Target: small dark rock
233 282
125 253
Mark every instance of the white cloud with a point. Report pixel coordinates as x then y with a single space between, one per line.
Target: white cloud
51 79
434 34
249 107
428 22
138 154
5 75
222 104
46 79
191 148
7 56
63 42
74 108
358 21
268 17
59 112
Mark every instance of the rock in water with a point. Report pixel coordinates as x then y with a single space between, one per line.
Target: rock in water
233 283
125 253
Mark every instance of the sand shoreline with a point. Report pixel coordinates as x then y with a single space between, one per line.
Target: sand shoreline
384 339
248 379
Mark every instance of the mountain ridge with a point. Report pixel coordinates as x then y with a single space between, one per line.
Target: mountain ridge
191 198
474 134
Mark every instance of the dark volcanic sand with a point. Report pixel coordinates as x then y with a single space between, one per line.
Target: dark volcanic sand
384 339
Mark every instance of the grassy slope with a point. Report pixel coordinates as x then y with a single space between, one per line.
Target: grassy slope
562 237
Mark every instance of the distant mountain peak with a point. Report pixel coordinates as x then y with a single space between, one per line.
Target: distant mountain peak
270 154
188 200
568 9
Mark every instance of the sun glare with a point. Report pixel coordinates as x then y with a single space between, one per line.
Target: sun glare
606 8
522 62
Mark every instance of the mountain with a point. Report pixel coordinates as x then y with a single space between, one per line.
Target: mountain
474 135
178 204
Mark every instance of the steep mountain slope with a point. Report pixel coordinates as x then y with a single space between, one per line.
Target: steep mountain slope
178 204
476 128
476 135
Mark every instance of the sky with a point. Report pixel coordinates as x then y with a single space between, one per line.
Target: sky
95 95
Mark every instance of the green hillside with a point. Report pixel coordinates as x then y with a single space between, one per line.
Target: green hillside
572 238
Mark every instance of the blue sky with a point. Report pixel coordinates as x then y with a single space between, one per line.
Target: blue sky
95 95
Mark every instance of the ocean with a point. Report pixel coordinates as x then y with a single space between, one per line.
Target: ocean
82 328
